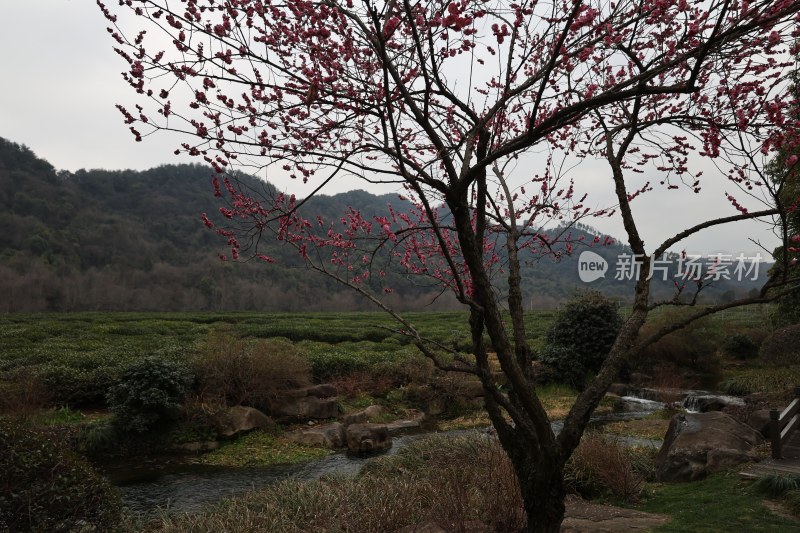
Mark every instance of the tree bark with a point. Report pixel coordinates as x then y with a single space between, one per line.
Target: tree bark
529 441
542 486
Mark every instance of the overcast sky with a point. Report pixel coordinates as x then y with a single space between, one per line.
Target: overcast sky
61 80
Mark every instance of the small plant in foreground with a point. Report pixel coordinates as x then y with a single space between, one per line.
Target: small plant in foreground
791 499
776 485
43 487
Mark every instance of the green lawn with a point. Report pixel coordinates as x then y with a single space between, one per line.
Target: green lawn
720 504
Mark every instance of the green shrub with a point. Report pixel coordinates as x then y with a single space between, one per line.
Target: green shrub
334 360
248 372
77 386
581 337
45 488
740 346
775 485
562 364
150 392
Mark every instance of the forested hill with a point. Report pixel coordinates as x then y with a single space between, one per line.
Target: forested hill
127 240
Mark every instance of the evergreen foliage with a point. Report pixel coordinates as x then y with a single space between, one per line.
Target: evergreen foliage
580 338
150 392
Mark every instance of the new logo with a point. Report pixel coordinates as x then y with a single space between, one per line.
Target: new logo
591 266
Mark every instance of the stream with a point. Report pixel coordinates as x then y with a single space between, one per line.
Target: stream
180 487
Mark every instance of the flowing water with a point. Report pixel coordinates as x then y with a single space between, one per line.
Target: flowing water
182 487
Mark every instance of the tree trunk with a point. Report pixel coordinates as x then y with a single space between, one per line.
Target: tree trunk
543 493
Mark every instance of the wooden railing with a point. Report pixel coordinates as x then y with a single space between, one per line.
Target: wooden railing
782 425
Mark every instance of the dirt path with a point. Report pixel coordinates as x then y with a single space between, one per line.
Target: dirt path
581 517
587 517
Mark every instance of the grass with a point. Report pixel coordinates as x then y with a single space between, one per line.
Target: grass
35 339
719 503
424 482
338 344
261 449
60 416
773 380
652 427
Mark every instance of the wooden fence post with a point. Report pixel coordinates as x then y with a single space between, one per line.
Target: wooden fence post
775 433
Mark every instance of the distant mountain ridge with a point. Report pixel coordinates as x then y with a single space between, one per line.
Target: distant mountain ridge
130 240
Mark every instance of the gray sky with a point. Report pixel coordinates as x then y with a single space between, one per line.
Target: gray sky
61 80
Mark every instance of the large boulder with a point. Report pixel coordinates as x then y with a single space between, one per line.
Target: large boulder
697 444
323 390
240 419
359 417
325 436
367 438
759 420
304 407
368 414
317 401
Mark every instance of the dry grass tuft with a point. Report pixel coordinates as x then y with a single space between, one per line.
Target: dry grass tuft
601 466
426 482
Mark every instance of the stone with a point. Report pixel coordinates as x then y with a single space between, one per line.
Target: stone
759 420
367 438
374 411
698 444
400 426
322 436
198 446
308 407
472 388
318 401
240 419
587 517
323 390
359 417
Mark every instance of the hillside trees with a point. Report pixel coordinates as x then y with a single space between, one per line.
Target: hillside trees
476 109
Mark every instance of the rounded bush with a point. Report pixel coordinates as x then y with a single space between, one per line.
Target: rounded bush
581 337
150 392
740 346
45 488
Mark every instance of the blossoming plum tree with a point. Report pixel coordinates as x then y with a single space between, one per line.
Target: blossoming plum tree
475 108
